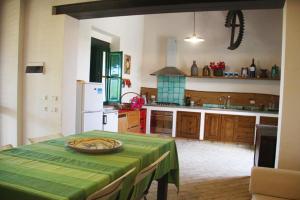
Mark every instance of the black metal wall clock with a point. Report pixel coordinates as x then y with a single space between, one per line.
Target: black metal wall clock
235 19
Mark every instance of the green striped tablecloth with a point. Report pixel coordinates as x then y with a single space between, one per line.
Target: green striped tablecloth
49 170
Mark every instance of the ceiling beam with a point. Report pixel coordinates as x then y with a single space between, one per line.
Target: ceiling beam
110 8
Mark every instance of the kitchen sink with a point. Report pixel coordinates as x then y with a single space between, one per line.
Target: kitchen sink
231 107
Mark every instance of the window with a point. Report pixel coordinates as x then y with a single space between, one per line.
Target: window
106 68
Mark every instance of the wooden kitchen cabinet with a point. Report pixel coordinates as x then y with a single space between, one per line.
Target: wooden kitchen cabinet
129 121
212 127
188 125
229 128
161 122
244 130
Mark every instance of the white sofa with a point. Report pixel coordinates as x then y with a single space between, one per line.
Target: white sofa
274 184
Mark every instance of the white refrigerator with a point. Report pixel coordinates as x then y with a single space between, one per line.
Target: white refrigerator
89 107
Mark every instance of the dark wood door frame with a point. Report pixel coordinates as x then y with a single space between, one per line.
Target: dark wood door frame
110 8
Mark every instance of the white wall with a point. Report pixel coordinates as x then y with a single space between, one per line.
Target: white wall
289 128
71 28
129 30
10 70
262 41
43 42
125 33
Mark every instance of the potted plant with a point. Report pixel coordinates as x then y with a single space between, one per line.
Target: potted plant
218 68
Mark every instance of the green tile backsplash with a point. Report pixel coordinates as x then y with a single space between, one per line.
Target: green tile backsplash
171 89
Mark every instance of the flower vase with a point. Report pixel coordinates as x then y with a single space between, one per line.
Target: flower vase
218 72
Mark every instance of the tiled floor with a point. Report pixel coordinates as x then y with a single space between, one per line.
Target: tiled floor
211 170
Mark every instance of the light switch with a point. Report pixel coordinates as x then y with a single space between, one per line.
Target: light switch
54 98
44 103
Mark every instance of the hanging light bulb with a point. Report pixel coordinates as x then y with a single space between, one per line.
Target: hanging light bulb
194 38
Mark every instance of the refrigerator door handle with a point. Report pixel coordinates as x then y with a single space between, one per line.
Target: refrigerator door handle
104 119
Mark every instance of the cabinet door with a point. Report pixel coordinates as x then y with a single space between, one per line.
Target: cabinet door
133 118
227 127
212 127
244 129
188 125
110 122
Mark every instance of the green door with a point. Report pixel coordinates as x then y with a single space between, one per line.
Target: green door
114 77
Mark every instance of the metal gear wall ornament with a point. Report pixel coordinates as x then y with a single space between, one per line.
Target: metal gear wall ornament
231 22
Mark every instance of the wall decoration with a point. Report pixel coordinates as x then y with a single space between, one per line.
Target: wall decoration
126 82
231 22
127 64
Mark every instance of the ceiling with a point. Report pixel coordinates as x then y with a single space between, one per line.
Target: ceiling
110 8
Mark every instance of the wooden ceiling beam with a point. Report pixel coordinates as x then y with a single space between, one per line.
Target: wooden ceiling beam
110 8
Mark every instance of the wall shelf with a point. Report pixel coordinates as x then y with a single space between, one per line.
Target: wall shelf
234 78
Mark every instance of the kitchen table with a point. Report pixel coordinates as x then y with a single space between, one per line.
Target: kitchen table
50 170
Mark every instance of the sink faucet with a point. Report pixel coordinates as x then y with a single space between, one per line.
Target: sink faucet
222 98
226 101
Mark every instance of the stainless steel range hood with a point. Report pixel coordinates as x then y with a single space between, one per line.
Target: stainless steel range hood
170 69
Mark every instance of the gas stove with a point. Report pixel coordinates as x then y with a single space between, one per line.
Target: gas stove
166 104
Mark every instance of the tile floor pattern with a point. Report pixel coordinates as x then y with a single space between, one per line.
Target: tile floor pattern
211 171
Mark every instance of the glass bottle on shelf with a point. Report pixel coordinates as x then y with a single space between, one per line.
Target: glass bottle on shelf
194 69
206 71
252 70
